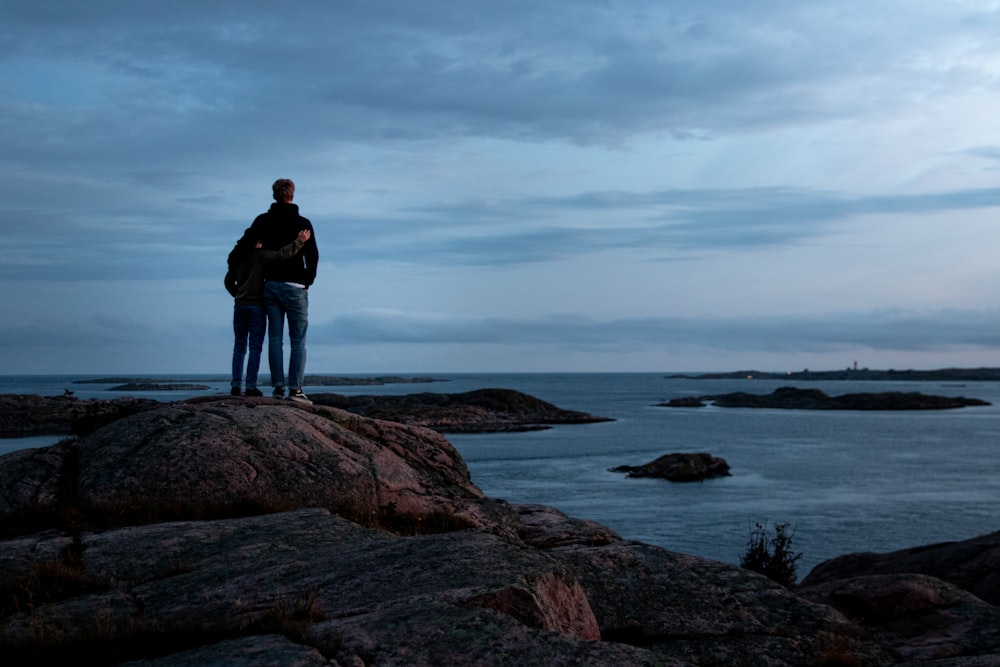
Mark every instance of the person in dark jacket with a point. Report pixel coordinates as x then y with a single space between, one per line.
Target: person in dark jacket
245 282
286 288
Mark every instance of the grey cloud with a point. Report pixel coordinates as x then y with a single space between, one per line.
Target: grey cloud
581 71
178 237
675 221
987 152
898 331
116 246
52 331
164 100
158 98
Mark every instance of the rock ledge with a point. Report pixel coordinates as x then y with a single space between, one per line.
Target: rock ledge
264 532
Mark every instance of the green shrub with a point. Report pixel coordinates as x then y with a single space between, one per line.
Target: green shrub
772 555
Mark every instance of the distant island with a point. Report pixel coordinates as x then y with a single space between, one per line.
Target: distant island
159 386
858 374
151 384
793 398
341 381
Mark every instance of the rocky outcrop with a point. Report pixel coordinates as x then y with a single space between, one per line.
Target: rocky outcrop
680 468
919 618
355 381
310 586
215 457
792 398
237 532
310 380
159 386
23 415
973 565
932 603
480 411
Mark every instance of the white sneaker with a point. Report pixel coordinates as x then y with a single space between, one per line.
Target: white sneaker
297 395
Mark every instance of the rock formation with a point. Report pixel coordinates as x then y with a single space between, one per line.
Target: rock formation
792 398
483 410
264 532
310 380
23 415
680 468
973 565
159 386
921 619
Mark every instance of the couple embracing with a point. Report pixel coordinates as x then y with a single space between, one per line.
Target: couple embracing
269 274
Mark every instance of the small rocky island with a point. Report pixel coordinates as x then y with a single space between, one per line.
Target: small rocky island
792 398
680 467
479 411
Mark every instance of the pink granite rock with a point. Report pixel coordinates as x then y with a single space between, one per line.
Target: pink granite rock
246 532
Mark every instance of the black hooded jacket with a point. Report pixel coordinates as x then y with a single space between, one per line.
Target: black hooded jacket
279 227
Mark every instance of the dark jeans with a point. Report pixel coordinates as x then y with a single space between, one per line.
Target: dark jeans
249 324
282 301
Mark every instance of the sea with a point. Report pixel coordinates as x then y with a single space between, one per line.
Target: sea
843 481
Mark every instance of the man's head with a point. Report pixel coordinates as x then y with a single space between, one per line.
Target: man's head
284 190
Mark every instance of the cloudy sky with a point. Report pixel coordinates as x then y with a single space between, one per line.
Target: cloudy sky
547 185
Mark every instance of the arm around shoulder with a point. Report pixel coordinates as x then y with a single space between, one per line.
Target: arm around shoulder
287 251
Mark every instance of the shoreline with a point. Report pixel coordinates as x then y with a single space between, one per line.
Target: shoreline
982 374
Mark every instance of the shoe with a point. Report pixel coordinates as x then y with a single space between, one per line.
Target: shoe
253 392
235 391
279 392
297 395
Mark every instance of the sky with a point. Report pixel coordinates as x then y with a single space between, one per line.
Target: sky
547 185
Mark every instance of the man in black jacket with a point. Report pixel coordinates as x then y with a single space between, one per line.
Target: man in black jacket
286 287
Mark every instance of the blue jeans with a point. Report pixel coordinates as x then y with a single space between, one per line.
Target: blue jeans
249 324
281 301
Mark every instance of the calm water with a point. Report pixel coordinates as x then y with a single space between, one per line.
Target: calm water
846 481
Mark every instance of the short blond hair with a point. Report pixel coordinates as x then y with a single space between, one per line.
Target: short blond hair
283 189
